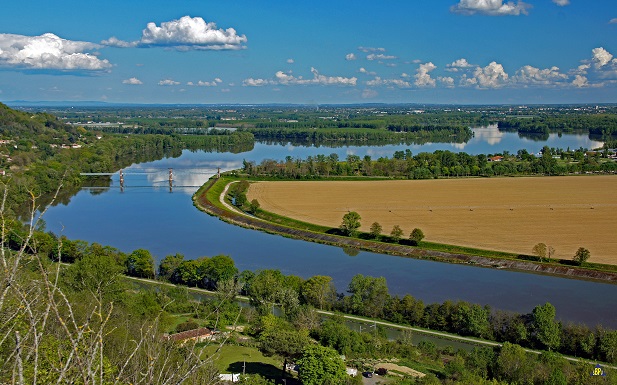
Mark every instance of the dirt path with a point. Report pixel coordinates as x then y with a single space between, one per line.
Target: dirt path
402 369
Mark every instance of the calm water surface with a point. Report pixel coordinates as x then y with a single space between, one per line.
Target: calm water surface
147 215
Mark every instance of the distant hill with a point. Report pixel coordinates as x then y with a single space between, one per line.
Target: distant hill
40 130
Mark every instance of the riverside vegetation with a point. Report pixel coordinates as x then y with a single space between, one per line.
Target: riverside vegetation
79 324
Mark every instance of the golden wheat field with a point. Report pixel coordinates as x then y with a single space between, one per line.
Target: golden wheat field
506 214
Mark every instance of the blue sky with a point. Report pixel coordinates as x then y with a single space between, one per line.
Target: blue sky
338 51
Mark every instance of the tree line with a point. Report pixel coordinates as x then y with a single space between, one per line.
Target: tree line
439 164
458 134
604 125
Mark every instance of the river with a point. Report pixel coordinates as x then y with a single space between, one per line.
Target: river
146 214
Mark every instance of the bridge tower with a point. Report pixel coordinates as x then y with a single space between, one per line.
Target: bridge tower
121 180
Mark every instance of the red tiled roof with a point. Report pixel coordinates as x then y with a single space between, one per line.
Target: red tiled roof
189 334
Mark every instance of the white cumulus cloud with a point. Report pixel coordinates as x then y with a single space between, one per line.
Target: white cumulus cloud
132 81
350 56
363 70
168 82
583 68
446 81
290 61
49 51
213 83
537 76
490 7
332 80
491 76
613 21
200 83
371 49
250 82
115 42
388 82
458 64
561 3
379 56
286 78
580 81
186 33
423 76
601 57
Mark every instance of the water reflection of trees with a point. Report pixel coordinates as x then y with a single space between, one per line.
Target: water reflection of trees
543 137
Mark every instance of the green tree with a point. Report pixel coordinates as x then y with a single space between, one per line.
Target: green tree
140 264
539 250
221 268
318 291
546 330
169 267
254 206
581 256
265 289
188 273
396 233
416 236
542 251
99 275
288 344
512 363
351 223
368 295
321 365
472 320
376 230
607 344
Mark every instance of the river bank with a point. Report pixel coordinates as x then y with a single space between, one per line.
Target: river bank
208 199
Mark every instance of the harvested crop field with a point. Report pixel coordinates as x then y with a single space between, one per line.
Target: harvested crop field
505 214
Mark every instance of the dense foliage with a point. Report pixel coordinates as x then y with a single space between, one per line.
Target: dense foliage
369 296
603 125
439 164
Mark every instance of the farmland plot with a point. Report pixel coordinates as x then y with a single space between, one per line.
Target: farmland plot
505 214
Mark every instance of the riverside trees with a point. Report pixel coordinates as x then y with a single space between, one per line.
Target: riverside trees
369 296
351 223
439 164
581 256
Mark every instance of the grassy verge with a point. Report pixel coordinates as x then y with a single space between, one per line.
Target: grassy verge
424 367
233 359
289 222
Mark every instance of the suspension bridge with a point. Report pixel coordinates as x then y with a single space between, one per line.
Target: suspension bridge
182 173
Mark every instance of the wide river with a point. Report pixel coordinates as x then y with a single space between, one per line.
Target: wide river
146 214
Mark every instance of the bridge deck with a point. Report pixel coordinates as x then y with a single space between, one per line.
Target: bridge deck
96 173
